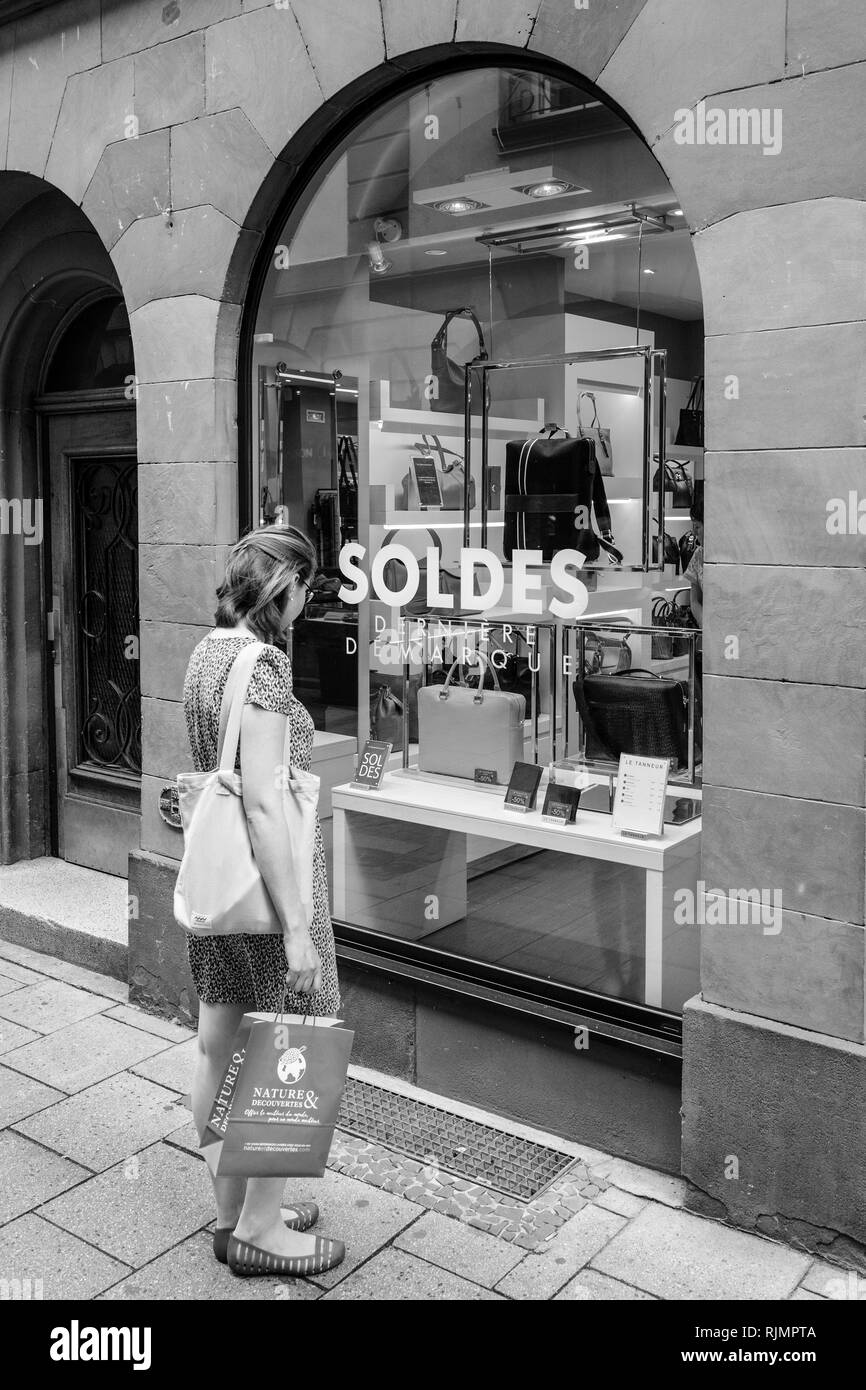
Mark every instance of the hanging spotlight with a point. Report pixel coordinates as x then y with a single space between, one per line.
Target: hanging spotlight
459 207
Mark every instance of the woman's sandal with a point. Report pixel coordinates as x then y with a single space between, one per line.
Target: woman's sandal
303 1216
245 1260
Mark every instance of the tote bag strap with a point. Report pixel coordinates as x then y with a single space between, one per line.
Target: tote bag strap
232 707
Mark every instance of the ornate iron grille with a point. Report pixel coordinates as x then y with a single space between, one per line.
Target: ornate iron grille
105 521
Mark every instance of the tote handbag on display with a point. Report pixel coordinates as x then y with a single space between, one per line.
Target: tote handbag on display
677 482
634 712
691 431
470 732
450 474
595 432
219 889
449 377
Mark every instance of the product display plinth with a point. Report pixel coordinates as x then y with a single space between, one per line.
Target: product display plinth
429 820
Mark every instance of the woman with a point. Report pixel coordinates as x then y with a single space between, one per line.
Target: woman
267 583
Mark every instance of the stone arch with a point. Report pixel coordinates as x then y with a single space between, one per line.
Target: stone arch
51 261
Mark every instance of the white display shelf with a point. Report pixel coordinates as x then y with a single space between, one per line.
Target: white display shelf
445 812
401 419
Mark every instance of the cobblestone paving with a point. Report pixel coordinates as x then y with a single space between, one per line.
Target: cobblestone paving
528 1224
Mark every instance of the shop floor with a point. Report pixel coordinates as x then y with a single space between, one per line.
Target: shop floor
478 1153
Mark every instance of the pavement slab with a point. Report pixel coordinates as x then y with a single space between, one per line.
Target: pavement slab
674 1254
364 1217
50 1005
394 1275
189 1272
13 1036
8 985
21 1096
107 1122
35 962
11 970
172 1068
829 1281
589 1284
149 1023
141 1207
31 1175
76 1057
641 1182
68 1268
452 1245
541 1275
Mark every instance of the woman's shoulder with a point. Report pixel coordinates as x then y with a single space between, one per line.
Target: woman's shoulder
271 682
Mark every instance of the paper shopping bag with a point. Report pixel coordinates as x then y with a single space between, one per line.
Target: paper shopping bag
275 1111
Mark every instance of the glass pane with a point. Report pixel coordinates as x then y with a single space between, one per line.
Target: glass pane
505 213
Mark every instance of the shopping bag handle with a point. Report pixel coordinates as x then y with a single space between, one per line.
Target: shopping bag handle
308 1017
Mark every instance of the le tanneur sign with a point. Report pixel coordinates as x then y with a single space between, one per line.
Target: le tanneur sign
480 570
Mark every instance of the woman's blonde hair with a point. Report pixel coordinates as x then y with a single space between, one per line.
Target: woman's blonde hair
259 572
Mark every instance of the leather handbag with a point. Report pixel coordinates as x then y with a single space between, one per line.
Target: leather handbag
691 430
671 614
688 545
465 732
451 475
605 653
546 481
450 376
671 550
677 482
386 708
219 889
634 712
595 432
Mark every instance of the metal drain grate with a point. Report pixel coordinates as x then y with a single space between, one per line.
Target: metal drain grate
466 1148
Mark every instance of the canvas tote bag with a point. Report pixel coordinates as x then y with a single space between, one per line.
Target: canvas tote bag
219 889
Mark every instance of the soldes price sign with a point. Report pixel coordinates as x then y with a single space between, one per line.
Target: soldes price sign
372 764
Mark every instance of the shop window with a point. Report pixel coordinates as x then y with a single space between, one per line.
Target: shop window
496 216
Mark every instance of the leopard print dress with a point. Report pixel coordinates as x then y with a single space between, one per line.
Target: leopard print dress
246 969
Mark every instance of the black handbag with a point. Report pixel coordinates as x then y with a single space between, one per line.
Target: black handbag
386 708
671 550
688 545
691 430
634 712
676 481
671 614
450 376
546 481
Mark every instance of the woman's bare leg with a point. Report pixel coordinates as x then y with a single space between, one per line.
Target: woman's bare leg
217 1026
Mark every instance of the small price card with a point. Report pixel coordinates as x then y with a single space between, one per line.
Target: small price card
523 787
639 806
372 765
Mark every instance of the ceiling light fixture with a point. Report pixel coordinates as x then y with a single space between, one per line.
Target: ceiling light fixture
550 188
619 224
647 271
435 253
379 263
459 207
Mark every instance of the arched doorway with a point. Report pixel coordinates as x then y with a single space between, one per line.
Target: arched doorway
69 703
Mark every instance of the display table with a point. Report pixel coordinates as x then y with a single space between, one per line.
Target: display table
430 819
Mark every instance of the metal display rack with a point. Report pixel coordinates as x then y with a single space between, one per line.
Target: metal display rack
654 364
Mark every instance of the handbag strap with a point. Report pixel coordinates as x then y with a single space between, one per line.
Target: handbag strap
437 541
485 667
466 312
232 705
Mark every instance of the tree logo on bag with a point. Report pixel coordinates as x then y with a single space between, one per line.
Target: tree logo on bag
292 1064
